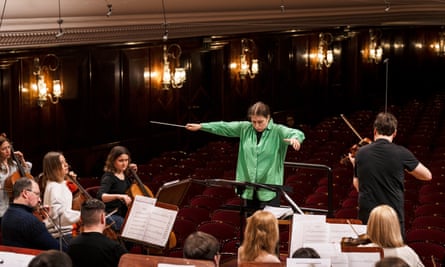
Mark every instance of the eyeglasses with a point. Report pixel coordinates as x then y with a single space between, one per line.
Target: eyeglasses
35 193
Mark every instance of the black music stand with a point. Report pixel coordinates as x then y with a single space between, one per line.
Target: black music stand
173 192
241 186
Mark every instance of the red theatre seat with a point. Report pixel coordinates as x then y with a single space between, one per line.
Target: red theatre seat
221 230
434 222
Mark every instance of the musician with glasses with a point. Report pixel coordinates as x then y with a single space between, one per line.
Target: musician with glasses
20 227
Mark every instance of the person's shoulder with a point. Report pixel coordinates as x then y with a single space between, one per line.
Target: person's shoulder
267 257
108 176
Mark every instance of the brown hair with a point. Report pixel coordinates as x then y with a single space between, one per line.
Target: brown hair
261 235
384 227
201 246
385 123
91 210
3 139
391 262
115 152
51 258
52 168
258 109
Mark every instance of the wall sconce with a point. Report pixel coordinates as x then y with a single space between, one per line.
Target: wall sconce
46 87
173 75
249 66
375 52
439 46
325 54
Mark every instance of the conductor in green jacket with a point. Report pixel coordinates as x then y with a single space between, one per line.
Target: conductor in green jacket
262 151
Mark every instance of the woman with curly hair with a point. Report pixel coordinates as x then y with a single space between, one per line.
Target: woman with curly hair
261 238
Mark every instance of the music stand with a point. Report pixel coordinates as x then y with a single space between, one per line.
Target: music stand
241 186
173 192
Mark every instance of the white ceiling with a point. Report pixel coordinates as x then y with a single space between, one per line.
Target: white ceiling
27 23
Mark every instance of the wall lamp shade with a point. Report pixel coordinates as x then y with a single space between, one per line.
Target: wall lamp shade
47 82
325 54
375 50
173 76
248 64
439 46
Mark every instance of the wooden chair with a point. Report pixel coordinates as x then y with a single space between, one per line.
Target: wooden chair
138 260
20 250
363 250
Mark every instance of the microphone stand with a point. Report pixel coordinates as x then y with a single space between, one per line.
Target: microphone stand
57 226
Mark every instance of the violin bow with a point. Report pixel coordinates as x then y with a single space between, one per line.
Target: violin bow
350 126
352 227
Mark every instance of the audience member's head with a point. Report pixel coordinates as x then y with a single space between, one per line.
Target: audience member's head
391 262
261 235
92 212
290 121
201 246
384 228
305 252
51 258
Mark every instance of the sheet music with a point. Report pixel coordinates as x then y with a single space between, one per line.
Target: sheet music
308 262
367 259
337 231
11 259
325 250
308 228
149 223
279 212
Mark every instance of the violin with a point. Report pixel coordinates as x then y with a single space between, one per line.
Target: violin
362 239
41 212
80 198
10 181
82 194
354 148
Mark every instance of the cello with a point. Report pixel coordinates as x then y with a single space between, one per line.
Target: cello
138 189
10 181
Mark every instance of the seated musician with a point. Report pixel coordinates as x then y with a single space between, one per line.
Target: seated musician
114 185
58 196
384 231
202 246
8 170
91 247
20 227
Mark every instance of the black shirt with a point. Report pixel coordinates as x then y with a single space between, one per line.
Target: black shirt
93 249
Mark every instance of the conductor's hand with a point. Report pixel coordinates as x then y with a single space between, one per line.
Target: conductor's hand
193 127
294 143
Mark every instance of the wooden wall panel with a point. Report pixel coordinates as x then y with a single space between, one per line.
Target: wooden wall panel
107 100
